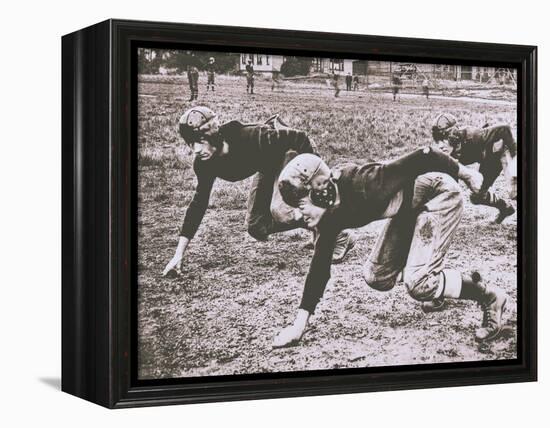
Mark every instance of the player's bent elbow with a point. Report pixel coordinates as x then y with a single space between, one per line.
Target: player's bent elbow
277 214
281 212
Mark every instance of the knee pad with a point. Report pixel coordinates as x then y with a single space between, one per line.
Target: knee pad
422 287
377 281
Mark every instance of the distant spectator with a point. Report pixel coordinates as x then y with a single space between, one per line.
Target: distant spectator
193 79
348 82
276 80
426 87
211 74
249 77
502 77
396 85
356 83
336 83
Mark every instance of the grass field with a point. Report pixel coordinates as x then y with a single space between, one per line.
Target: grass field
235 294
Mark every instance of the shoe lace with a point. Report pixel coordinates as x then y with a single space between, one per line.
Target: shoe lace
342 241
488 315
485 309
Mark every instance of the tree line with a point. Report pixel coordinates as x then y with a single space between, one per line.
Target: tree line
151 60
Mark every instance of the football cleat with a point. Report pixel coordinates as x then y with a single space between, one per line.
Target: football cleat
493 305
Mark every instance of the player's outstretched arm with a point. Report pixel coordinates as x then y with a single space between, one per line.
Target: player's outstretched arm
193 218
175 264
292 334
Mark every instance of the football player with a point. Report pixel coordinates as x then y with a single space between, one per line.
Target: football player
234 151
419 195
493 147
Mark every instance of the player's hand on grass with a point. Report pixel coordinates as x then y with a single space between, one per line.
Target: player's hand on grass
288 336
174 266
292 334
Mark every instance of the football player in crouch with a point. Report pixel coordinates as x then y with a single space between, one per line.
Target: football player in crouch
234 151
493 147
419 195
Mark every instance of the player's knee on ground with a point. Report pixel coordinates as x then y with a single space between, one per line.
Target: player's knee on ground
421 285
375 278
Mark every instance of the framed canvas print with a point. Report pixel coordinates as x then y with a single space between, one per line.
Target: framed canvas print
252 213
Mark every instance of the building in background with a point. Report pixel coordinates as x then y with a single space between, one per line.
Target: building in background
332 65
272 63
262 63
413 71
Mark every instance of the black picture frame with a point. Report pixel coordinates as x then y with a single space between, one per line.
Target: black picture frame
99 206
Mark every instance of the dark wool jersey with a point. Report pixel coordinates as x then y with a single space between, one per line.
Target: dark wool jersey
365 193
192 71
475 144
252 148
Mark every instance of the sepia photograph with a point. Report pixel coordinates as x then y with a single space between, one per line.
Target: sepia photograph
307 213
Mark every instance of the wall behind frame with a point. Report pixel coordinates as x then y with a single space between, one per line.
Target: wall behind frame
30 220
